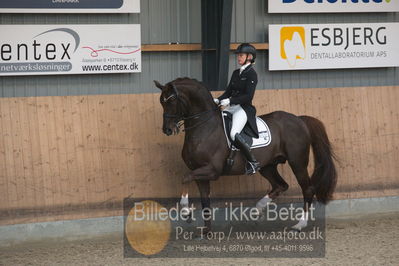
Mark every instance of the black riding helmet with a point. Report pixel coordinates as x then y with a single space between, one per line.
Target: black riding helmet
247 48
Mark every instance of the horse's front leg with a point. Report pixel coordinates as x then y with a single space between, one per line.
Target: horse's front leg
186 211
202 176
207 172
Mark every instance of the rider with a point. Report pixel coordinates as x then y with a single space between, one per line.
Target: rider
238 96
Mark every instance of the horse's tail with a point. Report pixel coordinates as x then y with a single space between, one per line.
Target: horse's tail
324 178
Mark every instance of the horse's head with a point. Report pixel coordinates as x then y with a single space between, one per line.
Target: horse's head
172 103
187 100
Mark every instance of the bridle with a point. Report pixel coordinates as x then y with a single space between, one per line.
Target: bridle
181 119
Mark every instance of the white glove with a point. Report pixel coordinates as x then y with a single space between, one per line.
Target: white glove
216 100
225 102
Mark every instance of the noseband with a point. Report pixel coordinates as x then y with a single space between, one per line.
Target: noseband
180 117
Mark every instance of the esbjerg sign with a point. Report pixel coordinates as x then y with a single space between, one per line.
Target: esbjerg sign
328 46
332 6
69 6
69 49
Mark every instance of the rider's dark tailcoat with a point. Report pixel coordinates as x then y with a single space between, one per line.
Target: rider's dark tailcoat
241 90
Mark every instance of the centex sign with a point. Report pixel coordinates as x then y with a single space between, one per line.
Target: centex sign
324 46
69 49
333 6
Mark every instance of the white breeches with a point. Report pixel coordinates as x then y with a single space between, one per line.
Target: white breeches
239 119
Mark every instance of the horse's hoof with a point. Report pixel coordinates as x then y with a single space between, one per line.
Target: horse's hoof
259 216
297 230
260 220
188 219
198 238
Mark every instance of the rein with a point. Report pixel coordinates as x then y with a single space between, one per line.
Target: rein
181 117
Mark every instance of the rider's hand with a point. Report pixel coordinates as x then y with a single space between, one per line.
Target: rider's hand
225 102
216 100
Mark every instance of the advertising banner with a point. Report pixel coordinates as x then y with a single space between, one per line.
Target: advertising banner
69 49
70 6
327 46
332 6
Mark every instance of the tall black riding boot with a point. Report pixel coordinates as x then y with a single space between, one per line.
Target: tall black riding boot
253 165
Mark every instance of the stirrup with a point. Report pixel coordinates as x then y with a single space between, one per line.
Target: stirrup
252 167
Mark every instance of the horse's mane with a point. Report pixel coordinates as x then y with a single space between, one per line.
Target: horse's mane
189 80
192 85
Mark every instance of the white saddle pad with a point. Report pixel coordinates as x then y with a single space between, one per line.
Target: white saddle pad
265 137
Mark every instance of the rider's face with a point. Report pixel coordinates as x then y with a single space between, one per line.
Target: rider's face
242 57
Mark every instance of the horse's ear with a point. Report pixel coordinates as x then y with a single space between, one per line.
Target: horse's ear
158 85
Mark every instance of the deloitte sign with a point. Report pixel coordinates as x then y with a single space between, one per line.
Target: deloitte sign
332 6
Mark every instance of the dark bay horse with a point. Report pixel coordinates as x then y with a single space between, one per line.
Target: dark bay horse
205 147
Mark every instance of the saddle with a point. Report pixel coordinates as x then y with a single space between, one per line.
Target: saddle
264 133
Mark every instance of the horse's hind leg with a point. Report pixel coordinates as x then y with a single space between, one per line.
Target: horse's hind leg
271 173
299 167
205 190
